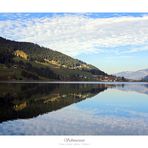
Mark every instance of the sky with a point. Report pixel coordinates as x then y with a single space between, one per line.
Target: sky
113 42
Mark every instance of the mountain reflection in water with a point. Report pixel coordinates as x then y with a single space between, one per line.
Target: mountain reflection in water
30 100
74 109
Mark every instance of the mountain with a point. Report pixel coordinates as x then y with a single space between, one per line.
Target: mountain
145 78
29 61
135 75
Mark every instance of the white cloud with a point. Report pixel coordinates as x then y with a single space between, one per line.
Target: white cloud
77 34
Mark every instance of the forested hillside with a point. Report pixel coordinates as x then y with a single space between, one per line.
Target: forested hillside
24 60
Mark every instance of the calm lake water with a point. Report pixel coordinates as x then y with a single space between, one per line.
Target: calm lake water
73 109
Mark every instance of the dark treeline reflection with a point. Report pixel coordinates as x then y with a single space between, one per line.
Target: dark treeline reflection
19 101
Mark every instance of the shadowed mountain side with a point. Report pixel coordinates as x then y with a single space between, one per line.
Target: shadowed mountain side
145 78
21 101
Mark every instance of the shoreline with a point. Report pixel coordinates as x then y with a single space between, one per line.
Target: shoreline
72 82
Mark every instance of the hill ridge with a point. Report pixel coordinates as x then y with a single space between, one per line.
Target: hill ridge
34 61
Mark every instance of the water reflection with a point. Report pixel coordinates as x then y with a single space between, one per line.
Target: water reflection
74 109
30 100
143 88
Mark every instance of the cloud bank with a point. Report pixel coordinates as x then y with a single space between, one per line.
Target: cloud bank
78 34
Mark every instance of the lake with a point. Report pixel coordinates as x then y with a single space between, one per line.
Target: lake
73 108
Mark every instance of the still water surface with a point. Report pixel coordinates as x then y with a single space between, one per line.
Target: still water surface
73 109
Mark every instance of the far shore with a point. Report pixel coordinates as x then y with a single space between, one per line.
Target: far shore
74 82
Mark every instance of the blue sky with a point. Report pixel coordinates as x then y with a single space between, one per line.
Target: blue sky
113 42
14 16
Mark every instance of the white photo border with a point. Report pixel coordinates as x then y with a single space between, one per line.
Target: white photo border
78 6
